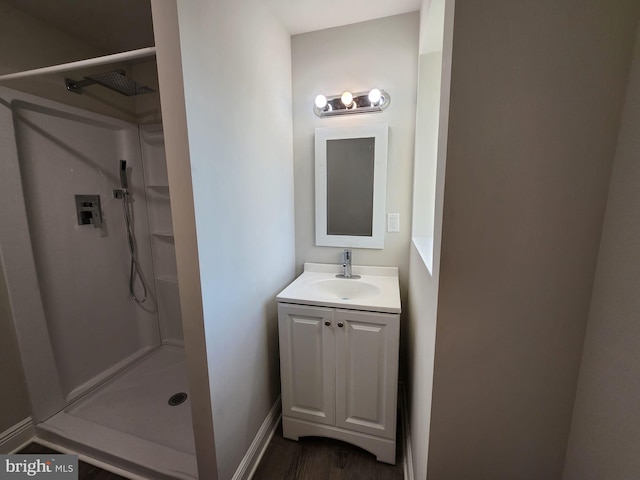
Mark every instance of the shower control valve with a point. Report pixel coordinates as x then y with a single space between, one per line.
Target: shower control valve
88 210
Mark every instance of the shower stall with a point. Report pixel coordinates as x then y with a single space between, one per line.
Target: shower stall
85 226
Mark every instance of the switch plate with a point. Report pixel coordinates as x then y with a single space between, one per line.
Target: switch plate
393 222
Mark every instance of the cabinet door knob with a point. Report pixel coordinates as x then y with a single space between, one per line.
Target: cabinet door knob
340 324
327 323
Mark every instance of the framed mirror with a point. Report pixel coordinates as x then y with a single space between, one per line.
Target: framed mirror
351 185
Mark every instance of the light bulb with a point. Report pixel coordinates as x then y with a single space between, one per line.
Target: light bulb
374 96
321 102
347 99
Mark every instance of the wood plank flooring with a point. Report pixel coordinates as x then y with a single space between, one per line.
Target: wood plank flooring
315 458
310 458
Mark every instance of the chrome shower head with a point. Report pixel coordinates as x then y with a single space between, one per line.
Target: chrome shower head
115 80
120 83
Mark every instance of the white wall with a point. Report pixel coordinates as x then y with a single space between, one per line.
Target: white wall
426 150
537 90
427 119
380 53
26 43
167 39
62 153
20 49
51 152
436 30
605 433
14 407
236 64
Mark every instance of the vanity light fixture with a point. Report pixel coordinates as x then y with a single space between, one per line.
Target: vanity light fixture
347 99
374 100
321 102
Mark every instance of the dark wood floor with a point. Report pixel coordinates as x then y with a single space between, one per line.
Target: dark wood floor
314 458
310 458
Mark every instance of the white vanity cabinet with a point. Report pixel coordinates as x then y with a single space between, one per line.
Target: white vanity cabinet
339 374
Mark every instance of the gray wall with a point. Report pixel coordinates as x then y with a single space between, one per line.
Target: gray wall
536 97
605 433
15 407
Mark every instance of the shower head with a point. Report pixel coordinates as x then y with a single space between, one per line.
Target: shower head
120 83
123 174
115 80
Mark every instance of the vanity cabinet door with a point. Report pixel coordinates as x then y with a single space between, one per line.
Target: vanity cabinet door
367 371
307 362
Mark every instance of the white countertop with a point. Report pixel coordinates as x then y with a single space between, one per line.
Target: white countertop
376 290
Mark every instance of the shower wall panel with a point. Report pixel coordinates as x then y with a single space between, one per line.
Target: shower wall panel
162 242
83 272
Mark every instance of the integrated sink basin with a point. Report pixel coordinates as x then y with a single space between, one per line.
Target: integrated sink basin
347 288
376 289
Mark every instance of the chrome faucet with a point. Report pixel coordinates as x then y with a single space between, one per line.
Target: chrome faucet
346 265
346 262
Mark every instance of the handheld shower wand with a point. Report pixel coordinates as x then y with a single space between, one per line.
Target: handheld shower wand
135 270
123 174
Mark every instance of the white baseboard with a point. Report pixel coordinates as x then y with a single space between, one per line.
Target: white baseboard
252 458
17 436
406 434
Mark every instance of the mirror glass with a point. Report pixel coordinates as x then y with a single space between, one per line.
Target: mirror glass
351 171
350 186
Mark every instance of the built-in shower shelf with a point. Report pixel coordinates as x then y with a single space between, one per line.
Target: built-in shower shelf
163 249
154 135
161 189
168 236
167 278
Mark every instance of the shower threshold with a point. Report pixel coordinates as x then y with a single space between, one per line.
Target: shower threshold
128 422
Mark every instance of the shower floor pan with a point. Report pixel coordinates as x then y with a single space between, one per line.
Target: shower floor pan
129 423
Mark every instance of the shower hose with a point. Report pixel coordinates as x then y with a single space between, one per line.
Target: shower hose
135 270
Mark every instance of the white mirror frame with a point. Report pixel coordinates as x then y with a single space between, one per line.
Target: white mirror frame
378 131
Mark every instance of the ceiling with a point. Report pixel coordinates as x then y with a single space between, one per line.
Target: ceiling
111 25
120 25
300 16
